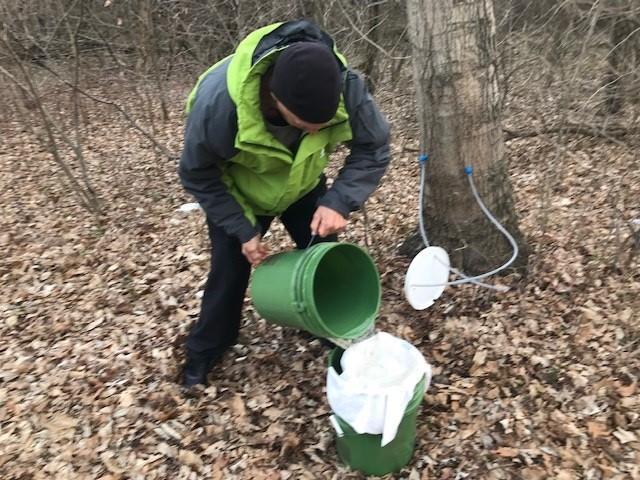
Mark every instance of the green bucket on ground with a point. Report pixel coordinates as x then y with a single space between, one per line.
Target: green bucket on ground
331 290
362 451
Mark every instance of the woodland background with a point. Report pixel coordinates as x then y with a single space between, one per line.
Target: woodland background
100 273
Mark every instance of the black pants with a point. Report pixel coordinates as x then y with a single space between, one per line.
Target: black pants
221 310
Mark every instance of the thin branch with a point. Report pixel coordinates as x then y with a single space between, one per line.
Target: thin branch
121 110
77 144
86 197
105 42
14 80
366 38
621 42
48 126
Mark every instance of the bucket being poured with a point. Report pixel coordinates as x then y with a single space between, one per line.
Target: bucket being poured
331 290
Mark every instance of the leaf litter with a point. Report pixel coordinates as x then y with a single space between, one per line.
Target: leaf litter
539 382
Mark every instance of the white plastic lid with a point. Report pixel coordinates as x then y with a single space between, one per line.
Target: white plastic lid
429 267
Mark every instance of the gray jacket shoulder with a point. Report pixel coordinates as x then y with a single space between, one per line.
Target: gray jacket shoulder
369 145
354 90
368 125
216 113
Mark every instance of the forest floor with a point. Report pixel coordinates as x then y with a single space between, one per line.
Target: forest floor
539 382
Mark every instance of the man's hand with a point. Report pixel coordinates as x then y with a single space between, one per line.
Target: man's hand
255 250
327 221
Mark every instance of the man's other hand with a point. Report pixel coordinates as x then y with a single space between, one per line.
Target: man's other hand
327 221
255 251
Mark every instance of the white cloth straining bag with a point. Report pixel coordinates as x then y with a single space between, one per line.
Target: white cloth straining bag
378 379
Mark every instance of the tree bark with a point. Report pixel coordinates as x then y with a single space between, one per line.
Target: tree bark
459 113
370 69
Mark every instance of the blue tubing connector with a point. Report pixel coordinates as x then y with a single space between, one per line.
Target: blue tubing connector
468 170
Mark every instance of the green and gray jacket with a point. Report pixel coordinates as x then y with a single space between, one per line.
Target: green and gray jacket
237 170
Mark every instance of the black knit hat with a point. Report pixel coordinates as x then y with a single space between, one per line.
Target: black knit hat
307 80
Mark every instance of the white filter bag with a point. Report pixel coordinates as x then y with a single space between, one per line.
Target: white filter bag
378 379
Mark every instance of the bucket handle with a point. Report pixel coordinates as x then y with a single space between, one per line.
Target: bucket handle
336 426
313 238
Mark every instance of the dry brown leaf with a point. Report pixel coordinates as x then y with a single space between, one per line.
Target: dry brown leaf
468 433
169 431
493 393
167 449
533 473
632 403
260 474
620 420
181 314
217 469
127 399
591 315
507 452
625 436
626 314
566 475
190 458
290 442
238 408
111 465
275 430
94 324
597 429
480 357
627 391
273 413
584 333
62 422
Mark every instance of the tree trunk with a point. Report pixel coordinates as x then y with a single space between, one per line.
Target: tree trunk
370 68
459 113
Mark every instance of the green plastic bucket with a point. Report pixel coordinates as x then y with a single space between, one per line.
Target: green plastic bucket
331 290
362 451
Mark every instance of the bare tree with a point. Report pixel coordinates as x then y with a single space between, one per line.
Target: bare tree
54 134
460 116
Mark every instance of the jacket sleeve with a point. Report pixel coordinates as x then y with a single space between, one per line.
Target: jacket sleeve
369 155
201 176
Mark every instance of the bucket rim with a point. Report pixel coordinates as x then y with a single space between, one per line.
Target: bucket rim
315 254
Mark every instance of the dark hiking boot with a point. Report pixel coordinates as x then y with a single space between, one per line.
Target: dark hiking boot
195 372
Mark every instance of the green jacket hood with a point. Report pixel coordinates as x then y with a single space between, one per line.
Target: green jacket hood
251 60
